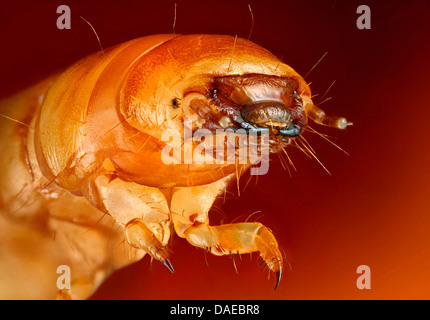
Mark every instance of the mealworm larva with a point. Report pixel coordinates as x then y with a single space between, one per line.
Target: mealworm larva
84 183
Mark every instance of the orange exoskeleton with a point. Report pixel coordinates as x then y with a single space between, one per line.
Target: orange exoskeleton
82 162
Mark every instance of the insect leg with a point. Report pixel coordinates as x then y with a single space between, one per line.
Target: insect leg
190 207
141 210
138 235
239 238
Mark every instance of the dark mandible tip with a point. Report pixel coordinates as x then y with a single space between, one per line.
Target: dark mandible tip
293 130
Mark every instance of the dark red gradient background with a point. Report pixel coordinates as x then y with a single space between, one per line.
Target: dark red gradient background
373 210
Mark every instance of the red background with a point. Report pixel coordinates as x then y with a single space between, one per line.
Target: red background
374 208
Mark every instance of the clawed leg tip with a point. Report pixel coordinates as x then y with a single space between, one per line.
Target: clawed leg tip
278 278
168 265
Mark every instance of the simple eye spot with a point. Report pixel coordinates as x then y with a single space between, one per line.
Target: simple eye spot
176 103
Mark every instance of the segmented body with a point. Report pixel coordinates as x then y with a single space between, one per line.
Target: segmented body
84 184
